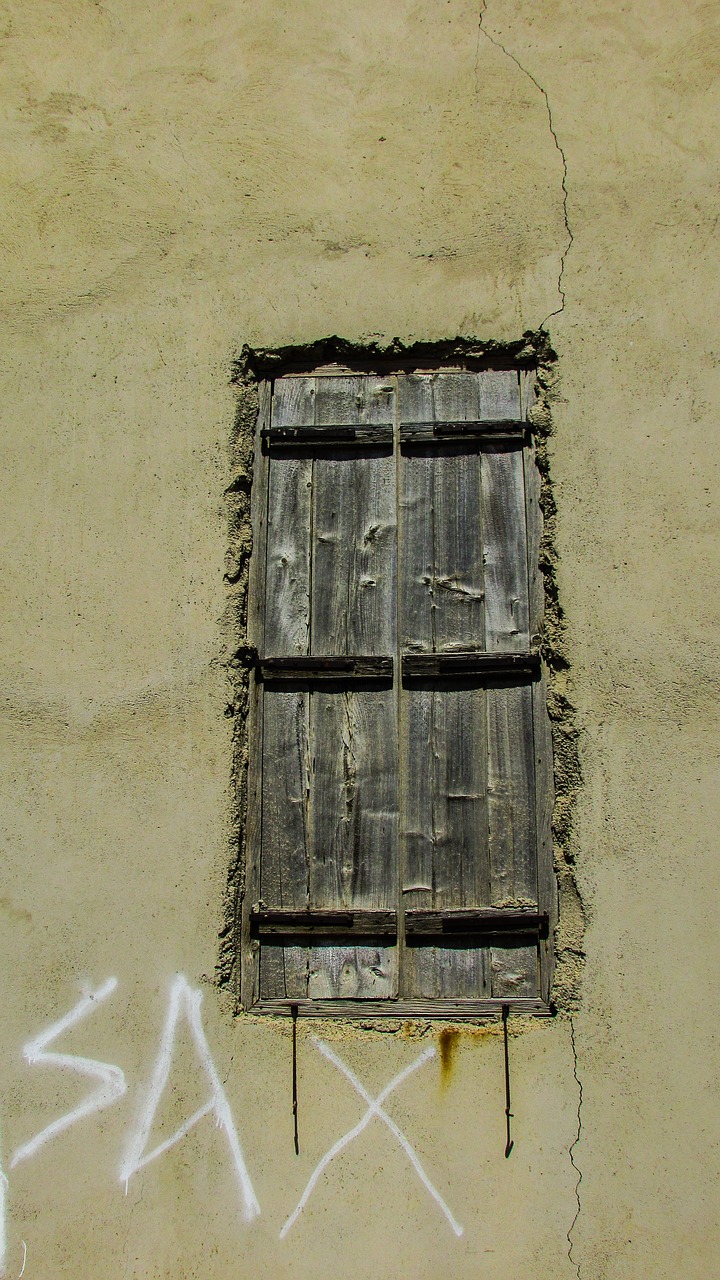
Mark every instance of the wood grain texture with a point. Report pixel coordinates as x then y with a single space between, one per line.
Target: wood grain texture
467 591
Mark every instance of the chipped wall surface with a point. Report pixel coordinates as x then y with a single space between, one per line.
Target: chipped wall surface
181 180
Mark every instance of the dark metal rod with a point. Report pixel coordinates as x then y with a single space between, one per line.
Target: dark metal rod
509 1144
294 1012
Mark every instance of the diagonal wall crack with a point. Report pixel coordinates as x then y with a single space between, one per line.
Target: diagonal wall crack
563 257
571 1150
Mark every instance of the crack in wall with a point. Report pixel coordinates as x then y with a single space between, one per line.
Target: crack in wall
551 123
571 1151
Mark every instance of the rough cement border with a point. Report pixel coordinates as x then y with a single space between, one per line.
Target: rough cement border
533 350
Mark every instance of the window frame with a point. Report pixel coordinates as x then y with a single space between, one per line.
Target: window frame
392 1007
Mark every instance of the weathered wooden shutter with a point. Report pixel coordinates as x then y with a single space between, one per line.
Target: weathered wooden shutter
400 802
467 741
329 742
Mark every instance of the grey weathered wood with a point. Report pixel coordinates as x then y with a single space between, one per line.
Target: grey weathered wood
357 973
450 491
360 667
504 429
442 576
481 921
505 551
289 531
314 922
528 392
544 803
323 434
252 851
534 528
514 971
446 858
446 1009
354 836
354 551
418 665
511 786
286 799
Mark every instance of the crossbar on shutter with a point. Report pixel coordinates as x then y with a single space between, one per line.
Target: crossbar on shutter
490 429
325 434
346 669
479 923
416 665
318 923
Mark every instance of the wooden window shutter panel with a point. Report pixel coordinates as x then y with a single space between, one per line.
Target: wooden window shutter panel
329 750
399 715
469 795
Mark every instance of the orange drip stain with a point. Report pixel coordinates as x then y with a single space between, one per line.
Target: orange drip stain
448 1041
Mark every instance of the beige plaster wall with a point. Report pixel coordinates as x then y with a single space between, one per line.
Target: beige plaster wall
179 179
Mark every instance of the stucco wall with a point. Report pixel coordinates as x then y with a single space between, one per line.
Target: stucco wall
180 179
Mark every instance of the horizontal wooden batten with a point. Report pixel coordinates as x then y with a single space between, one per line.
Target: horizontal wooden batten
418 665
360 667
490 429
325 434
314 923
479 923
446 1010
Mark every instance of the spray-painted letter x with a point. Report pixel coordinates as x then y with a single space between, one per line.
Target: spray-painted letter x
374 1109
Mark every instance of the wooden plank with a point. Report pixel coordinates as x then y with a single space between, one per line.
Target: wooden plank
499 395
354 538
354 735
514 971
346 669
481 921
412 433
446 832
542 736
266 922
448 1010
544 803
505 551
511 794
446 665
321 435
249 959
286 819
354 835
441 511
354 973
288 569
534 528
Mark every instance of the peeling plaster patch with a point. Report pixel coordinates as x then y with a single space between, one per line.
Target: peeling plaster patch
563 257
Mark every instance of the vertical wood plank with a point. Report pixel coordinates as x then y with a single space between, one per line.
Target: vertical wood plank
505 550
287 590
446 833
544 803
458 587
514 971
250 952
499 395
357 973
512 831
354 537
534 523
286 821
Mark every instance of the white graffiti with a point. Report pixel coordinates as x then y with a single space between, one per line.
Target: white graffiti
183 999
112 1079
3 1210
374 1109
